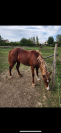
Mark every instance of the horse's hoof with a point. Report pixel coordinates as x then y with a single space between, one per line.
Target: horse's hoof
33 85
38 79
20 75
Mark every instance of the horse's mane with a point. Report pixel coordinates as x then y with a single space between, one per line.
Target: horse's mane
43 65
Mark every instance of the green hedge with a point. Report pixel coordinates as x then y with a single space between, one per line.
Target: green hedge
17 44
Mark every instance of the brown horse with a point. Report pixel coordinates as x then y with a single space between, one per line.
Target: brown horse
30 58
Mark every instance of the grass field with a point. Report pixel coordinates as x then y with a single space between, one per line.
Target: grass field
46 98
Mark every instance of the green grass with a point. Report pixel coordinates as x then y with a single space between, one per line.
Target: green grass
52 99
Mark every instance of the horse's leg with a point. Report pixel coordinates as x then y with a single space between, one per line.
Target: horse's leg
10 67
17 67
32 69
10 71
37 74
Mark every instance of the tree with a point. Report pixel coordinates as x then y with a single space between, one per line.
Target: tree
58 39
29 41
0 39
50 40
23 40
37 40
33 39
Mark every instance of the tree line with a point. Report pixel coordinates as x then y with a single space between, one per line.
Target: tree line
23 42
32 42
51 41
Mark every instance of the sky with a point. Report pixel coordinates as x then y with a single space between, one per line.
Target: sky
16 33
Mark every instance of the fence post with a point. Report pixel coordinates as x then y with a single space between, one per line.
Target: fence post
54 66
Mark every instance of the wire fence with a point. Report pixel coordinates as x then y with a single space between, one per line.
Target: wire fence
51 56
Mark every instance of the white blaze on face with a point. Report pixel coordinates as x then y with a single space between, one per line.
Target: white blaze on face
48 85
47 80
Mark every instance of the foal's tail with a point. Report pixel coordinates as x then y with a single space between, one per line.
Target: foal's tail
9 57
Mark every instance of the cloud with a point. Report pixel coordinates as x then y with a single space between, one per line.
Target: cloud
16 33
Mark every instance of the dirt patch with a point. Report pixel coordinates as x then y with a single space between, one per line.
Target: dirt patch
18 91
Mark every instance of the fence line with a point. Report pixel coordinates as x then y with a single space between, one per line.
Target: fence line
54 67
51 56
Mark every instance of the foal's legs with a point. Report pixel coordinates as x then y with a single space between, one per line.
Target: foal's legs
17 67
37 74
32 69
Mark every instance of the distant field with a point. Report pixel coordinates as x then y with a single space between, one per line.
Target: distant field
46 98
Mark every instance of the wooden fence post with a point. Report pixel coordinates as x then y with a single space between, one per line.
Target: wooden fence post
54 66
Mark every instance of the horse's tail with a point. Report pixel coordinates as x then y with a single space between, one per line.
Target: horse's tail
9 57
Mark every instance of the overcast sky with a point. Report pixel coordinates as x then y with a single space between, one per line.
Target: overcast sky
16 33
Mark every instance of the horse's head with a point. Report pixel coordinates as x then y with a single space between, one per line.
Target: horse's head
45 73
47 79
